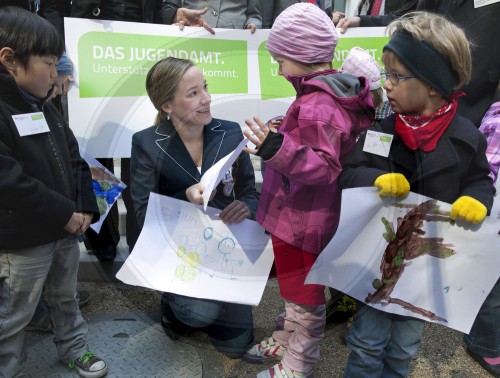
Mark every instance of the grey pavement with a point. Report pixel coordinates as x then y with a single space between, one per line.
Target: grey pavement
124 330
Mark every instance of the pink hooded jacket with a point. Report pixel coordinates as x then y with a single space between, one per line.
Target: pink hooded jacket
300 197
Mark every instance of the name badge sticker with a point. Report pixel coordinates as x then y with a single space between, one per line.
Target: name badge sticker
377 143
31 123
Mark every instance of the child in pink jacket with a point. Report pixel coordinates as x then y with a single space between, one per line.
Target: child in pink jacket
300 199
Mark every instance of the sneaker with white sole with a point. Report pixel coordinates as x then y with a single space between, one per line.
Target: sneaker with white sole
88 365
268 349
282 371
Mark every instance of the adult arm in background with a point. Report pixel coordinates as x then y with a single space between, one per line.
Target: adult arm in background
254 17
393 10
172 12
266 12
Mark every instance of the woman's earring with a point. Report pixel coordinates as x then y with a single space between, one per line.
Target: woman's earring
168 116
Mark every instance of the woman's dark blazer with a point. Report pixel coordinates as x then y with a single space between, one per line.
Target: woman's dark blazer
160 163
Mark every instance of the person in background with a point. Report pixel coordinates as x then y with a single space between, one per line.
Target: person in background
229 14
300 197
434 152
270 9
169 158
46 198
480 24
373 13
483 341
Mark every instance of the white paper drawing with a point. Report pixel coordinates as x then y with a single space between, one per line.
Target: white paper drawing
107 188
187 251
215 173
410 260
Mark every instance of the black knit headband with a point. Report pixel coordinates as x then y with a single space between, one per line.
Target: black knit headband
424 61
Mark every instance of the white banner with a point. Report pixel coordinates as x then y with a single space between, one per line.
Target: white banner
108 101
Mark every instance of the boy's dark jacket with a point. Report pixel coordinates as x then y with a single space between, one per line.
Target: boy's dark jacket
43 179
457 167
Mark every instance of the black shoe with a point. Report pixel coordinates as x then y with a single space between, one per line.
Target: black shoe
176 329
492 369
83 297
340 309
105 253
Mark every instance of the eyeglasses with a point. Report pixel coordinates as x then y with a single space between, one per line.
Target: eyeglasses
394 77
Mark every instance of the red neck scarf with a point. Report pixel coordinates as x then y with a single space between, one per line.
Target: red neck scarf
424 132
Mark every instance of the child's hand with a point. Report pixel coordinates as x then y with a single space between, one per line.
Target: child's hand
75 224
257 135
87 220
468 208
392 184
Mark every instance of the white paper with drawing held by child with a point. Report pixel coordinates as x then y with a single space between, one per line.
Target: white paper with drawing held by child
187 251
107 188
404 256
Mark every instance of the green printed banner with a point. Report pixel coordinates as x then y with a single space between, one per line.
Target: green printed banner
108 102
116 64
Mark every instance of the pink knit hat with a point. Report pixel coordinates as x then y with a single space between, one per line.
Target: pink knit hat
360 63
304 33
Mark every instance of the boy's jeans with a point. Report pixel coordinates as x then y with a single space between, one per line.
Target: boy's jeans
22 276
484 336
382 344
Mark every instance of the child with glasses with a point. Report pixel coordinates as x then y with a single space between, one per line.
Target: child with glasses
434 152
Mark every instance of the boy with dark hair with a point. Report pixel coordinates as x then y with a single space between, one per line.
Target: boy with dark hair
46 198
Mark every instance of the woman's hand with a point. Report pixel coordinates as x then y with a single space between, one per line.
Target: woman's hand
257 134
235 212
195 192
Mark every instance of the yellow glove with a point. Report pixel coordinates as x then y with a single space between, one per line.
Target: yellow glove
469 209
392 184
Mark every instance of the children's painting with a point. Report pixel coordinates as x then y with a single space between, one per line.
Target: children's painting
107 188
185 250
406 256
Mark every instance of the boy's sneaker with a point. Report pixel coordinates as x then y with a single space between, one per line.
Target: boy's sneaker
268 349
89 366
282 371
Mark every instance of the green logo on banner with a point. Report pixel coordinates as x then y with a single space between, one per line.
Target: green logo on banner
274 86
116 65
